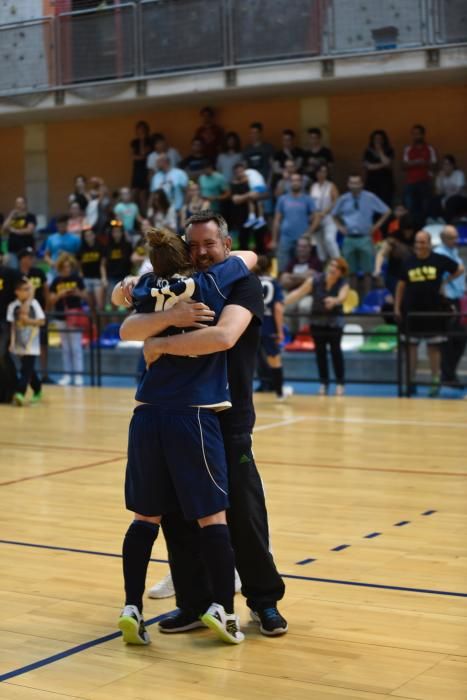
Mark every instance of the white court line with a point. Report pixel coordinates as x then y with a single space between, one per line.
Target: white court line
278 424
373 421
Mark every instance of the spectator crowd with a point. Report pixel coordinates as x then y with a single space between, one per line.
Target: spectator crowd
284 203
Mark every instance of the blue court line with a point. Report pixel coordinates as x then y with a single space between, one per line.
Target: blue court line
305 561
339 548
70 652
72 549
402 523
374 585
371 535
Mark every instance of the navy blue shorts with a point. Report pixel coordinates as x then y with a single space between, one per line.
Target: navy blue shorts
270 345
176 461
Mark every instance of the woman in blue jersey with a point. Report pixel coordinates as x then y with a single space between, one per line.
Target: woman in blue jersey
176 458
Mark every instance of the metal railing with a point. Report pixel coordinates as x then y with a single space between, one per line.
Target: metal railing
136 40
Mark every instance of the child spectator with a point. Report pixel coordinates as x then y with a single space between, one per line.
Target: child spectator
25 315
127 212
93 267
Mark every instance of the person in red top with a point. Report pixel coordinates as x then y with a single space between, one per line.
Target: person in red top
211 134
419 160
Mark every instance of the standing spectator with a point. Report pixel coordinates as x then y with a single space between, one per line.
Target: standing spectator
76 220
211 134
97 211
283 185
194 203
259 154
196 161
67 294
20 225
93 268
140 148
8 279
330 290
315 153
38 280
26 316
161 148
272 328
419 290
377 161
117 255
419 160
354 214
61 242
324 193
289 151
393 253
127 212
239 205
229 157
173 181
453 349
214 188
295 216
161 212
301 267
449 182
80 194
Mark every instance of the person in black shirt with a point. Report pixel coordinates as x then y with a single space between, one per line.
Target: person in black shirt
20 225
289 151
140 149
316 154
195 163
420 290
238 331
93 267
259 154
118 256
377 161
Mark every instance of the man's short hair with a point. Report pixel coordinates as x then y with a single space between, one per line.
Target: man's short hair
256 125
207 110
314 130
63 218
419 126
203 217
26 252
288 132
21 282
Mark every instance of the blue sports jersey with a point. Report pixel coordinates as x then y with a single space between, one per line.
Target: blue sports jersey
272 293
188 381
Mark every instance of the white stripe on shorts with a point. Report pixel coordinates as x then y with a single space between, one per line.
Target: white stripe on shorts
204 455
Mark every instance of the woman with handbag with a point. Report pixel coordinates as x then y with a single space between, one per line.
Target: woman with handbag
67 298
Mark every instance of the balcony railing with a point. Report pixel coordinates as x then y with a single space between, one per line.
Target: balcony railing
137 40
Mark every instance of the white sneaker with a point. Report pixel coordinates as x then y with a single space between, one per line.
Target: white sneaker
287 391
250 221
259 223
79 380
131 625
227 627
65 380
238 582
163 588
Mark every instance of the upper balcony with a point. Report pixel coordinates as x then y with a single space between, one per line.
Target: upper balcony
196 45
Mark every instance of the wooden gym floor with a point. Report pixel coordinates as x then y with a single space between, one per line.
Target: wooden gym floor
367 505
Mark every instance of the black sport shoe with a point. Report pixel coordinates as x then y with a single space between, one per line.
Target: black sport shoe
181 621
271 622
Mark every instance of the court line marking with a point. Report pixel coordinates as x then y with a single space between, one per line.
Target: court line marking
73 549
278 424
364 469
61 448
59 471
293 576
72 651
379 421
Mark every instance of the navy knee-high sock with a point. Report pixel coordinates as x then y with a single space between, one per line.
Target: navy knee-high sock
137 548
218 557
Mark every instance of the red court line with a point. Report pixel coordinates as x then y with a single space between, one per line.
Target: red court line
58 471
363 469
58 447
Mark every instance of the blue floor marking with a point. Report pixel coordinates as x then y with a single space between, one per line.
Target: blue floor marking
72 549
428 512
374 585
340 548
402 522
305 561
371 535
70 652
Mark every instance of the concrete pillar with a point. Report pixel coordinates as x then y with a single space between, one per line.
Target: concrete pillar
35 168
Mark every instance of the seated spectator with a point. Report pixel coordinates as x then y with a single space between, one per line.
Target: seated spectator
230 155
140 148
315 153
391 256
193 204
160 211
213 188
377 162
211 134
294 217
68 294
353 214
196 161
324 193
449 181
419 160
92 262
289 152
173 181
97 210
420 290
61 242
330 290
394 224
80 193
300 268
76 219
118 256
127 212
19 225
160 148
259 155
